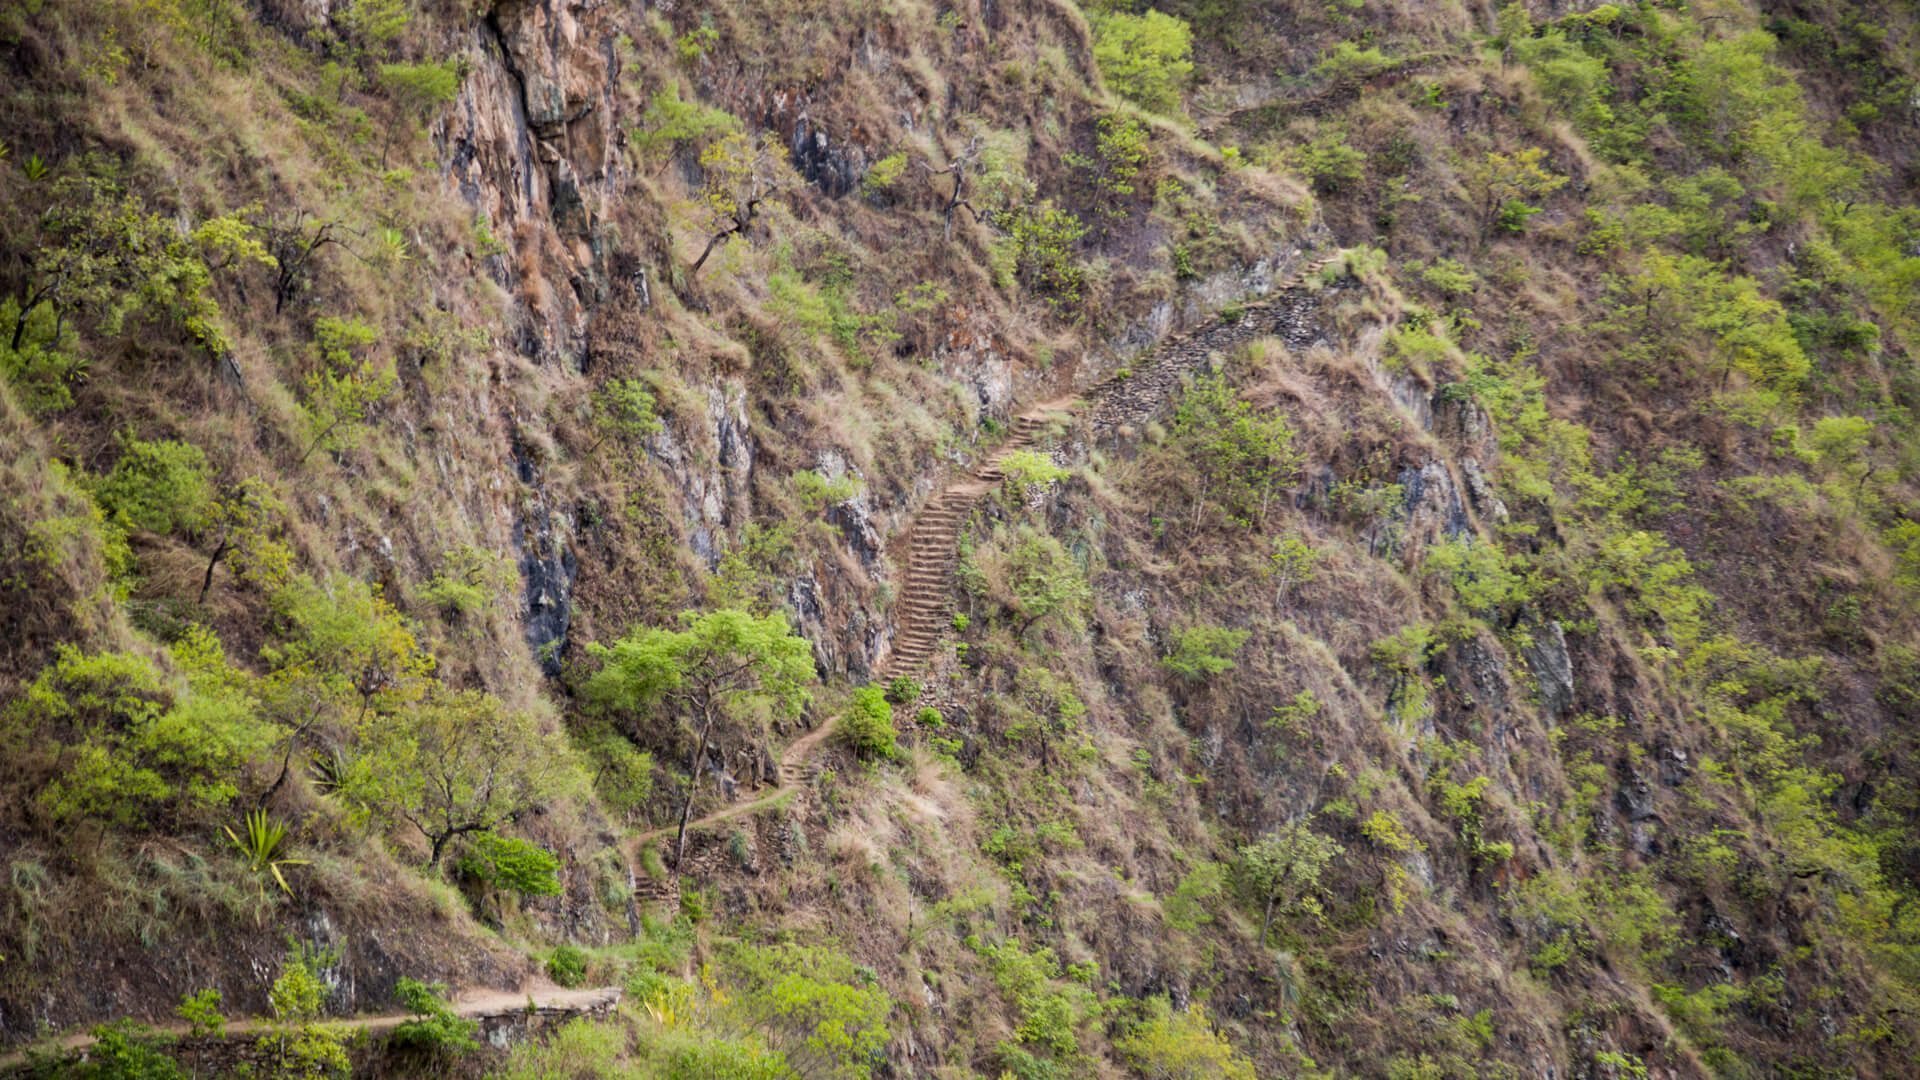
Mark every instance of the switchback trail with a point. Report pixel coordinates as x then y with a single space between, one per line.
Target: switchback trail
920 609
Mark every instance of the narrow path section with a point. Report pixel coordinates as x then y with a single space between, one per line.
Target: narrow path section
548 1001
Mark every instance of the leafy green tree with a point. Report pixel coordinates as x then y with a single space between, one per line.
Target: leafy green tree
624 410
827 1016
1146 58
456 764
1038 246
161 487
1241 456
435 1028
1201 652
670 121
1488 582
1347 63
1328 161
248 522
1045 582
103 256
740 173
728 668
1182 1044
1291 563
1500 185
1122 151
1028 470
1282 869
866 724
511 863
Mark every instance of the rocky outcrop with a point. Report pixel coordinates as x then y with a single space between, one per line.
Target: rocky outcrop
711 462
531 145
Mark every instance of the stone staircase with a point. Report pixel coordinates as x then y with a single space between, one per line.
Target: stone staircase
922 613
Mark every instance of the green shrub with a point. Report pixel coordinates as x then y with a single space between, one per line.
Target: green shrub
884 175
510 863
903 690
470 580
435 1029
1145 58
124 1050
1027 470
817 492
160 487
1328 162
1347 62
1201 652
567 965
1182 1043
866 724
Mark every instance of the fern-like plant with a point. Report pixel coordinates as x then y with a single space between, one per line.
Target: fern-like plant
262 847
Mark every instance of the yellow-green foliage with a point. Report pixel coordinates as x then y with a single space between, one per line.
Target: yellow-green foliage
1145 58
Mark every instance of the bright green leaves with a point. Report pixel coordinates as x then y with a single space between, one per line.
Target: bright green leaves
724 660
161 487
1488 582
114 739
1500 186
1242 456
866 724
1182 1043
1201 652
1037 249
1145 58
458 763
104 258
672 121
342 391
1281 871
824 1013
1027 471
508 862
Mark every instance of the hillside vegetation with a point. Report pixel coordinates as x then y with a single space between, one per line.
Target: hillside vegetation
1003 538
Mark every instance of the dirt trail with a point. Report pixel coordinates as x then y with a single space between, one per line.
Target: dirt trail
920 609
477 1006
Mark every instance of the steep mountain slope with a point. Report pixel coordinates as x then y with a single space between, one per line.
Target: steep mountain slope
1234 538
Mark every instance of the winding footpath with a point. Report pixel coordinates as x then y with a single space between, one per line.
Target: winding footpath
921 609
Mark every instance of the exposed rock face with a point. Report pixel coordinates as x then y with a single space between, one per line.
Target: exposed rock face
834 165
530 146
542 543
711 462
1552 668
1433 505
1144 393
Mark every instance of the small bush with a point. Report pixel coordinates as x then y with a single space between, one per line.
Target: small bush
161 487
1201 652
866 724
1145 58
903 691
511 863
436 1029
567 965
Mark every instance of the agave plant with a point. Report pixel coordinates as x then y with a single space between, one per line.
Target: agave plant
261 847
